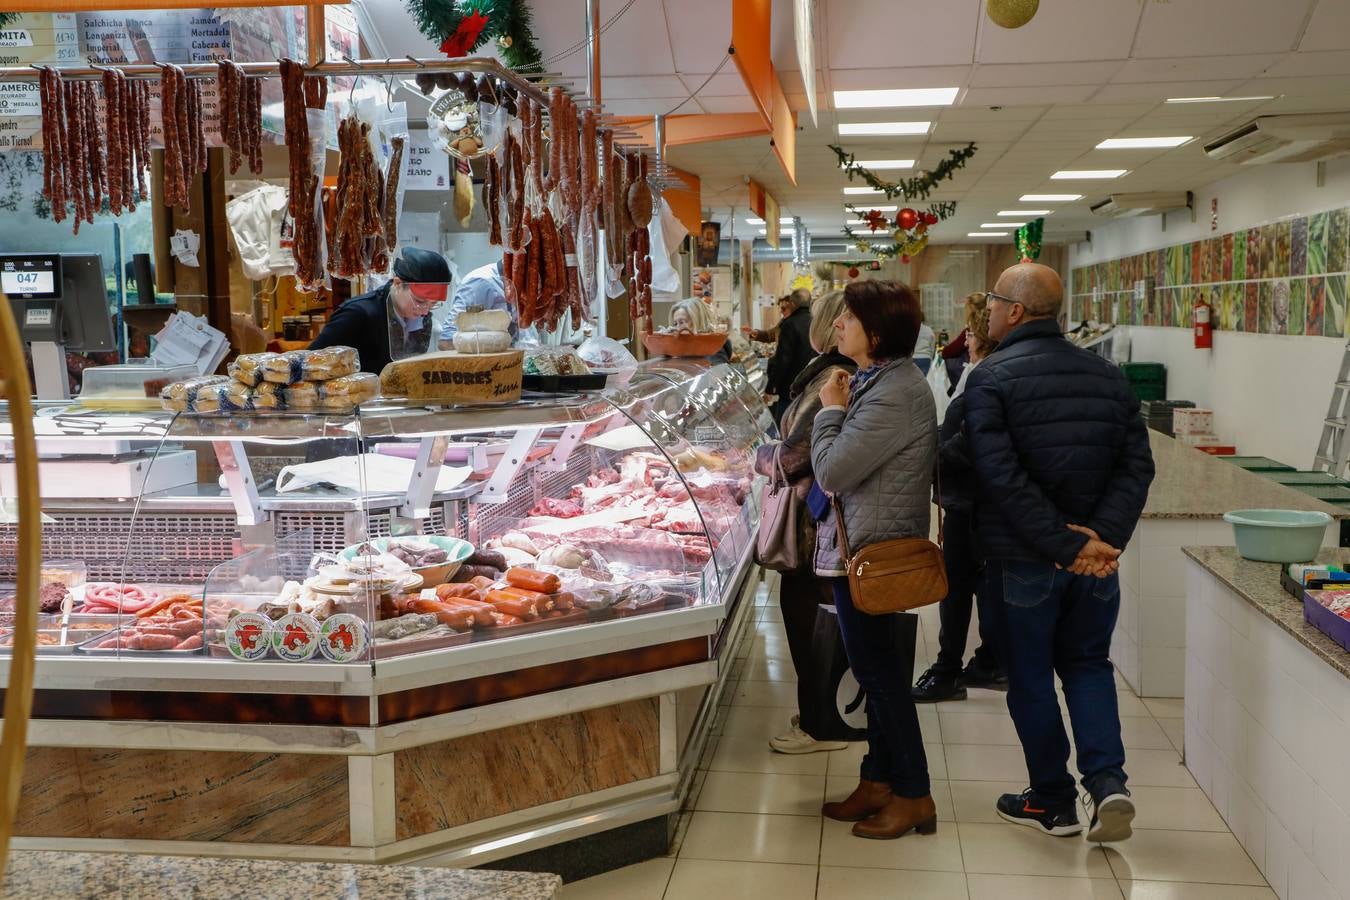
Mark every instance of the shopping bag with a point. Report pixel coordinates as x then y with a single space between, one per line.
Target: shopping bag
940 384
834 707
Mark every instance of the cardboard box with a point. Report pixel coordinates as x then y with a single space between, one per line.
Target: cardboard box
1192 421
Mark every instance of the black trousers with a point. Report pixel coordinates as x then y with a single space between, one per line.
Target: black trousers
965 571
799 596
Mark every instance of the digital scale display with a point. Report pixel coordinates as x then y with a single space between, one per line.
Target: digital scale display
31 277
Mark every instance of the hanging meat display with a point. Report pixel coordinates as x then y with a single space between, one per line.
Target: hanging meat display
299 95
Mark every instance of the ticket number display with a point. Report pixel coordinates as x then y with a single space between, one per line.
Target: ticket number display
31 277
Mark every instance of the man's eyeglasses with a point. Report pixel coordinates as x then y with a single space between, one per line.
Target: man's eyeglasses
990 295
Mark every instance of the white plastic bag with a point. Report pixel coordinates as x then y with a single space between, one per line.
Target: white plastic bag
607 354
939 383
383 474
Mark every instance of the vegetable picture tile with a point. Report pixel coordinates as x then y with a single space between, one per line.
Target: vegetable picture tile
1266 251
1317 243
1337 233
1278 264
1316 303
1279 306
1333 316
1228 305
1265 317
1298 247
1198 261
1298 306
1252 308
1239 255
1226 258
1160 267
1214 247
1253 253
1172 271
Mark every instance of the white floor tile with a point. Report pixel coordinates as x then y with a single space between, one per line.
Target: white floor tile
1175 729
976 762
1040 887
1008 849
752 754
761 722
973 801
702 879
1175 809
762 668
1166 709
792 795
644 881
740 837
1176 890
840 882
932 852
782 694
1157 768
1154 855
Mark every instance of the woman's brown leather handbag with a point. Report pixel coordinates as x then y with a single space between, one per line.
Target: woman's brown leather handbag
894 576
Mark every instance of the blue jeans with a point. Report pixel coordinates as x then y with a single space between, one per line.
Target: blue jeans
894 743
1053 622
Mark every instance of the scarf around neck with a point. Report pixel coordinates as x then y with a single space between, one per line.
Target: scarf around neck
862 377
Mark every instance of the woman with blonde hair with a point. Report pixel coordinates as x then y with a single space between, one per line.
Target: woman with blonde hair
946 679
692 316
802 591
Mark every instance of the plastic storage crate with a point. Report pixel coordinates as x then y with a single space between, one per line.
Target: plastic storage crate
1258 464
1303 478
1144 372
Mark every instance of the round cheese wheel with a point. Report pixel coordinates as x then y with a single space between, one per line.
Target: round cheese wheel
482 341
483 320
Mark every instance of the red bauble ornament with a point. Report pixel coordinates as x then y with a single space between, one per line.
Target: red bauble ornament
907 219
905 259
853 272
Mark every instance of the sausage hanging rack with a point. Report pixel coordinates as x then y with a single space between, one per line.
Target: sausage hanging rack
662 177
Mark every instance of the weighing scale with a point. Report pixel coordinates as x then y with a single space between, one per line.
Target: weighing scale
60 303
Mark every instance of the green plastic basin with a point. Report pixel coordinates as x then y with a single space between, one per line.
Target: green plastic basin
1278 535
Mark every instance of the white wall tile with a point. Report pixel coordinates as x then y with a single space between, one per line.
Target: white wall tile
1163 671
1281 855
1330 826
1306 883
1167 532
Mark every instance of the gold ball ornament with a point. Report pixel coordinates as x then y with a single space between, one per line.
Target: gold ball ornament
505 40
1012 13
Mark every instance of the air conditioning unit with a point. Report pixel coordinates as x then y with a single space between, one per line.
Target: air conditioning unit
1120 206
1305 137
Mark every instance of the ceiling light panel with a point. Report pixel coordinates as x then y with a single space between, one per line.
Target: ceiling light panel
882 163
782 220
882 208
1049 198
877 99
884 128
1024 213
1002 224
854 191
987 234
1100 174
1144 143
1218 99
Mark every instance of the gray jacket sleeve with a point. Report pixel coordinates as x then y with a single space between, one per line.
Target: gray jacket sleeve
845 453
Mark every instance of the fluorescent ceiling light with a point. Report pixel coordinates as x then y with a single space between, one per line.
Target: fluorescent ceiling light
1024 213
786 232
1064 174
782 220
1049 198
852 222
882 163
882 208
1002 224
1217 99
884 128
861 190
1144 143
987 234
906 97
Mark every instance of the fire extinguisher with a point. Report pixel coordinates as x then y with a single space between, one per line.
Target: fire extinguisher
1204 329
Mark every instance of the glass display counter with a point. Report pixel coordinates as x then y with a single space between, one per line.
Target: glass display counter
348 608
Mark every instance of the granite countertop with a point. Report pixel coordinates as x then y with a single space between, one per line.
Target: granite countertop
41 873
1195 485
1259 584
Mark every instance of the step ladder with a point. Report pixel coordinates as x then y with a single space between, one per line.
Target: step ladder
1333 449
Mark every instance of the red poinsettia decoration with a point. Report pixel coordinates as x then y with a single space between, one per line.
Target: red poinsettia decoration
876 220
465 36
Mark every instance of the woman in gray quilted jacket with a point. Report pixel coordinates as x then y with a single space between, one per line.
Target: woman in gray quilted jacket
874 447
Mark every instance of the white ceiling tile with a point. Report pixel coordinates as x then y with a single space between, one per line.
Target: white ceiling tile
642 87
699 30
1192 68
971 131
1065 30
1319 86
1197 28
985 114
645 106
1292 65
1013 96
864 78
1122 111
925 34
1035 74
1329 28
1160 91
727 83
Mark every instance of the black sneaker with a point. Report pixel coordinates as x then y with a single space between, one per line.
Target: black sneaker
1112 811
934 687
991 678
1026 809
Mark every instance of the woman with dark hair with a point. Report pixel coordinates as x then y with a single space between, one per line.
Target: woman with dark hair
874 447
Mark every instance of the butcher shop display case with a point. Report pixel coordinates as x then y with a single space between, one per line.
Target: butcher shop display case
369 599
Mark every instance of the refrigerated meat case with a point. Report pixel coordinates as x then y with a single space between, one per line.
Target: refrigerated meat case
576 731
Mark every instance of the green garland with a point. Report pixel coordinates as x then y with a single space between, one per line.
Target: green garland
1028 239
8 18
908 241
916 188
508 21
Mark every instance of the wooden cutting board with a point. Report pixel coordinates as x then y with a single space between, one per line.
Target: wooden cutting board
451 377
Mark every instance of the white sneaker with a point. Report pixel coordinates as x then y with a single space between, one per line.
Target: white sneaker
794 740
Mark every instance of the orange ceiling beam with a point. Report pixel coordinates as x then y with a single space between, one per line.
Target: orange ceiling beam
697 129
750 31
687 205
65 6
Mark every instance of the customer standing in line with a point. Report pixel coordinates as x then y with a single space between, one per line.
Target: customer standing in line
793 350
874 448
924 346
945 679
1064 467
802 592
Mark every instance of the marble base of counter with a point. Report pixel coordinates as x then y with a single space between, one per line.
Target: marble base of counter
35 873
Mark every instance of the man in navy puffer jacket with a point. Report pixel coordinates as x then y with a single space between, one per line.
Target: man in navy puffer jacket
1063 463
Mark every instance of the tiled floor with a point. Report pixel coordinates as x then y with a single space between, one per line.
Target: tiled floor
752 826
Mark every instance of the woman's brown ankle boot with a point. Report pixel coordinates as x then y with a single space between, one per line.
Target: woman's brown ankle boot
897 817
866 799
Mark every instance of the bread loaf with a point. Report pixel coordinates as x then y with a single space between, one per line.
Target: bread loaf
310 365
452 377
181 396
482 341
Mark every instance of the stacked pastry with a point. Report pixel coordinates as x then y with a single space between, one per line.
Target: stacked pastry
326 380
486 331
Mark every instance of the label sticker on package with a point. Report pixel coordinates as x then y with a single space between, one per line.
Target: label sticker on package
248 636
342 638
295 637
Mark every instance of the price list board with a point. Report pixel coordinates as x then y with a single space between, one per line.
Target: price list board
32 39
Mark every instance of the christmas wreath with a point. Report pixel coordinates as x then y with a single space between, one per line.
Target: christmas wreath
459 27
1028 240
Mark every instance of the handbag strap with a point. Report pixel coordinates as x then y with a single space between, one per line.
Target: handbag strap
847 554
778 463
